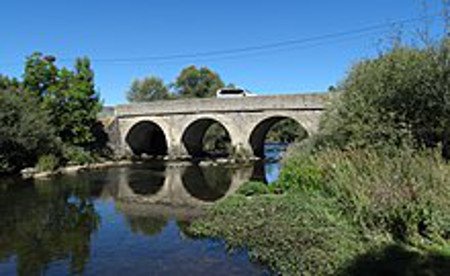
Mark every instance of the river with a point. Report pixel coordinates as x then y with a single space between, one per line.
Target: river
125 220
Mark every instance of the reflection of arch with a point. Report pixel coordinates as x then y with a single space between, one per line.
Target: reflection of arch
194 134
147 137
258 134
146 181
207 184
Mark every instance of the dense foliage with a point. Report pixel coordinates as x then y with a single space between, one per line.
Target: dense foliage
401 97
196 82
190 83
147 90
52 110
405 194
25 130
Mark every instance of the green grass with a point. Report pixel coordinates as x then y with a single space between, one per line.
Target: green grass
280 232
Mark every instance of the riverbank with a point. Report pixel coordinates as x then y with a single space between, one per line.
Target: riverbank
34 173
349 213
29 173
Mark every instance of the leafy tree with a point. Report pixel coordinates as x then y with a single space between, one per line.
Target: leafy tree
25 131
147 89
198 83
40 73
81 107
7 83
69 96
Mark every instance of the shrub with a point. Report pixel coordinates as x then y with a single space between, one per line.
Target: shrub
77 155
47 163
253 188
404 194
400 97
301 173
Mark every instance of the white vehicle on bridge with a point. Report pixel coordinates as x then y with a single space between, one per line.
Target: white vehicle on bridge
233 93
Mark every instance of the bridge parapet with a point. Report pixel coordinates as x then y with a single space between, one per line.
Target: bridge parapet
224 105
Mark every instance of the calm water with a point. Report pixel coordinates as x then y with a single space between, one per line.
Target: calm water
119 221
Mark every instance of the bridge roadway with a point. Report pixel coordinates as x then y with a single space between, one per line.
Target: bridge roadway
176 128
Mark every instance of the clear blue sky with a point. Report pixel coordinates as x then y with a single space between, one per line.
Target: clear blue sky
144 28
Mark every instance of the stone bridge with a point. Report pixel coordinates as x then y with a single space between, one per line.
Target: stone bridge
176 128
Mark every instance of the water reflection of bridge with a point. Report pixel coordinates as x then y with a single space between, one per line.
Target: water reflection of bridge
176 185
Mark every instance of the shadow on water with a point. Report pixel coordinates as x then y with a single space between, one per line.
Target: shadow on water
396 260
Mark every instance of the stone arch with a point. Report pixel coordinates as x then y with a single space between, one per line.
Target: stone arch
259 132
147 137
193 134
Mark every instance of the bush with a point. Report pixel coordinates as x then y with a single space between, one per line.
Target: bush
300 174
404 194
77 155
47 163
399 98
253 188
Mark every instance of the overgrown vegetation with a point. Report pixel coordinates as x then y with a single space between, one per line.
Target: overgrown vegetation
404 194
49 117
252 188
400 98
336 206
25 130
368 195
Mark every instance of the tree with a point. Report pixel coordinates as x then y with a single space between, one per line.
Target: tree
68 96
148 89
25 131
82 105
7 83
197 83
40 73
